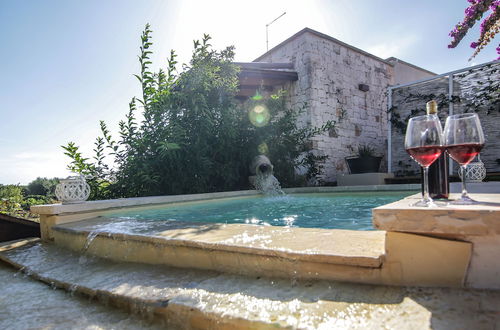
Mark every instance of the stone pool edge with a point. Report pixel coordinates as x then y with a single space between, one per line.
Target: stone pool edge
51 209
53 214
477 224
408 259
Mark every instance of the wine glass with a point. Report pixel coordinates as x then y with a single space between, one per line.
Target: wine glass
464 139
423 141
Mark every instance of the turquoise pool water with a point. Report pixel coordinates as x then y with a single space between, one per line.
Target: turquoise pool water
325 210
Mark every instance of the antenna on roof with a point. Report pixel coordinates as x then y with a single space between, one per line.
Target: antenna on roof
267 29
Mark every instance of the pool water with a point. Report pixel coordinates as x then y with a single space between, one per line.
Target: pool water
325 210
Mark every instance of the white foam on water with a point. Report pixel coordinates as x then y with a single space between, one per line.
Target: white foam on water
267 184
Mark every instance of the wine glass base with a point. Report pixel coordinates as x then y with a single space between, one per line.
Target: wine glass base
424 203
464 200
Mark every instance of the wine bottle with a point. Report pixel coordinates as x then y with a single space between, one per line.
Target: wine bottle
439 185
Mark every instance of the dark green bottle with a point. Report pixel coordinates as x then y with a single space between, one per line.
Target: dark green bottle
439 185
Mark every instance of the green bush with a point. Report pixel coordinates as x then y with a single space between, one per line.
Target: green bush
11 192
42 186
11 197
14 202
32 200
365 150
195 136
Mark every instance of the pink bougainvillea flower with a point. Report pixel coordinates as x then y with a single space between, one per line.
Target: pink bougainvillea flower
489 27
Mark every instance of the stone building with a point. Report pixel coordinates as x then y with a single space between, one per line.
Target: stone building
337 82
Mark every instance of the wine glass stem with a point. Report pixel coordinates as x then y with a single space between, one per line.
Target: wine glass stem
464 190
426 183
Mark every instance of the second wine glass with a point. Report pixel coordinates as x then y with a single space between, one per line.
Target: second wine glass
464 139
423 141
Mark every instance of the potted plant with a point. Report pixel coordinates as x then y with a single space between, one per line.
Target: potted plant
365 161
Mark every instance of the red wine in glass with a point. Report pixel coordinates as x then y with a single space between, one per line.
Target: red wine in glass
464 153
423 141
426 155
464 139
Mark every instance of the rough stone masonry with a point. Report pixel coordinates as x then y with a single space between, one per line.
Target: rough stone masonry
330 73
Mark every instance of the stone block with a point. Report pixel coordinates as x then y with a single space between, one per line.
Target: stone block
477 224
363 179
428 261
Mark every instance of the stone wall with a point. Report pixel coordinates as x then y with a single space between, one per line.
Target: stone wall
329 77
408 102
405 72
472 87
469 89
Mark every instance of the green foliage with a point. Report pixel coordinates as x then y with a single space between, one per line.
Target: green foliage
16 200
42 186
11 197
194 136
78 164
365 150
32 200
96 174
12 192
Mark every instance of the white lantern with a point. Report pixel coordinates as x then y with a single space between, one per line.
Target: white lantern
475 171
73 189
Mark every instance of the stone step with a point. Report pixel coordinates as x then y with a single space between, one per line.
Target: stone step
478 224
234 248
195 299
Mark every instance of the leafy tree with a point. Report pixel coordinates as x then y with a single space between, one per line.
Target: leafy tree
42 186
11 197
97 175
12 192
32 200
194 136
14 202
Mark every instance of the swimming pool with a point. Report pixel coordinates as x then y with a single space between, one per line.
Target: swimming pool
319 210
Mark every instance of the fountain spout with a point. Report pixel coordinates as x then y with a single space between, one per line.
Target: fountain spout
262 177
261 165
264 168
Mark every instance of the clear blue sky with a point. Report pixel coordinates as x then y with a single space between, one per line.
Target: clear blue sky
66 65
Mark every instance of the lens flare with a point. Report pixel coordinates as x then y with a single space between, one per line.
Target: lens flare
257 96
259 109
259 116
263 148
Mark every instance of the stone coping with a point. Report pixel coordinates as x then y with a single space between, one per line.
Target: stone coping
210 300
453 221
330 246
476 187
375 257
90 206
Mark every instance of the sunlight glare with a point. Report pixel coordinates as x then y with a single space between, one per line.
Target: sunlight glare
259 116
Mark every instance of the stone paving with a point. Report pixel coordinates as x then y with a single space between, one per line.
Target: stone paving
199 299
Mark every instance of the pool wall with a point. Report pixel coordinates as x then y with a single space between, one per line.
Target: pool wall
477 224
375 257
399 256
53 214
